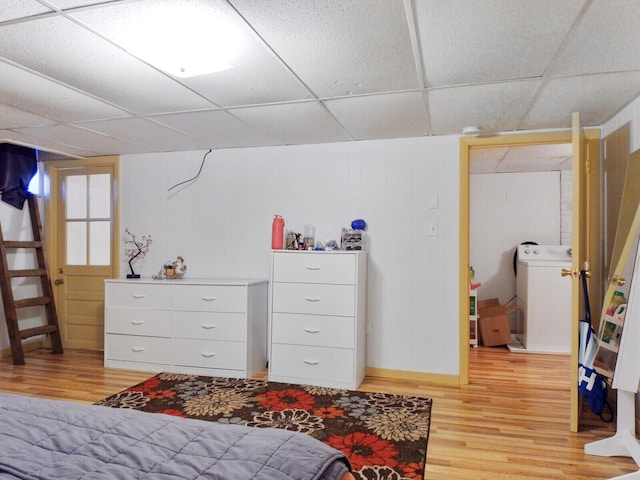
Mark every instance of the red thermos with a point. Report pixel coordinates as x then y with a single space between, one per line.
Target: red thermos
277 233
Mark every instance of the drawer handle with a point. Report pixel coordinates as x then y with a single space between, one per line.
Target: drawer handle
208 326
137 349
312 299
209 299
138 295
312 362
313 268
137 322
208 354
312 330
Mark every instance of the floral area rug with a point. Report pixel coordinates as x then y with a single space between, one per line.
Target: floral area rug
384 436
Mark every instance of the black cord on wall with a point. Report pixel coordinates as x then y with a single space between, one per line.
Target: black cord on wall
197 174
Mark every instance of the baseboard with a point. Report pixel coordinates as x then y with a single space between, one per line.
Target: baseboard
27 346
435 378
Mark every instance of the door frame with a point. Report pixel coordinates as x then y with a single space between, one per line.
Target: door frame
523 139
51 170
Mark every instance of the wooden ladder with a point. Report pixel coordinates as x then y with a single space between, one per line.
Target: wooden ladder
11 305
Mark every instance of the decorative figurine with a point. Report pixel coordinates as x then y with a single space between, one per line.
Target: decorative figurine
179 268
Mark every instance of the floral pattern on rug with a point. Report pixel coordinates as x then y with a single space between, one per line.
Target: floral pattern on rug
384 436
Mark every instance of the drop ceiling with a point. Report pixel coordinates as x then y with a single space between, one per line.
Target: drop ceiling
314 71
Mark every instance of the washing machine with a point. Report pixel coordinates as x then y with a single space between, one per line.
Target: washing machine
544 299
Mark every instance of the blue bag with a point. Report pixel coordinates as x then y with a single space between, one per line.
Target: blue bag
591 385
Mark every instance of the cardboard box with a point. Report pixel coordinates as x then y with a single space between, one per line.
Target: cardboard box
489 302
494 330
493 322
497 310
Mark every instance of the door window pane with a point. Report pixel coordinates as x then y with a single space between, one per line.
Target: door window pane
76 243
100 196
76 196
100 243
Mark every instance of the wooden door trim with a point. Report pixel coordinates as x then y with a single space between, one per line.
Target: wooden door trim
51 171
507 140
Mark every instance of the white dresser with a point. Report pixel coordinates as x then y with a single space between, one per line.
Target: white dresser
199 326
318 318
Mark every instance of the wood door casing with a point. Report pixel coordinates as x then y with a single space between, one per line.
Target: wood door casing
79 289
587 242
592 204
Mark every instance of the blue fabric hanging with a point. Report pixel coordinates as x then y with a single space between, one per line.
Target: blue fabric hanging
591 385
18 165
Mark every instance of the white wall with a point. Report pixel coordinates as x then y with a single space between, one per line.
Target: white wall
507 209
221 225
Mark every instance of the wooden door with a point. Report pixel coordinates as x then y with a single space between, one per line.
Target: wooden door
586 245
82 210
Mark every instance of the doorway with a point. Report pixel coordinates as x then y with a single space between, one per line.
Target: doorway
517 194
586 175
81 226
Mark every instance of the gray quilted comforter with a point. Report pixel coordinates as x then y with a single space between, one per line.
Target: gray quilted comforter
47 439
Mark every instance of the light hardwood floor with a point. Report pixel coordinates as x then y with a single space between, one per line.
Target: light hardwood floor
510 422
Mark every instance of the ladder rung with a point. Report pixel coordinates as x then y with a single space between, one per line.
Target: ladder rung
10 305
34 272
42 330
32 302
22 244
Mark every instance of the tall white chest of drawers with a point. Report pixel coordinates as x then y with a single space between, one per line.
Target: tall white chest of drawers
199 326
318 318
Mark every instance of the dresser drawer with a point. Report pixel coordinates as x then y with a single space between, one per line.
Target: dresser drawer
142 295
315 330
134 348
315 364
314 268
210 326
136 321
209 354
316 299
211 298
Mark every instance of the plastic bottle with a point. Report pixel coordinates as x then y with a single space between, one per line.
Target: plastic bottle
277 233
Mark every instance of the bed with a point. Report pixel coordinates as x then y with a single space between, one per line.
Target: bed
49 439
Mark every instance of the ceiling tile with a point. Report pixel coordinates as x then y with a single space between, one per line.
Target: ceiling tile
606 40
217 129
492 107
485 160
67 4
294 123
536 158
143 132
35 94
13 9
596 97
337 48
527 158
256 76
80 142
474 41
20 138
11 117
87 62
381 116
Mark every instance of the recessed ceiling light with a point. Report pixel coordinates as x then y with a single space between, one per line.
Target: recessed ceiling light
183 41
